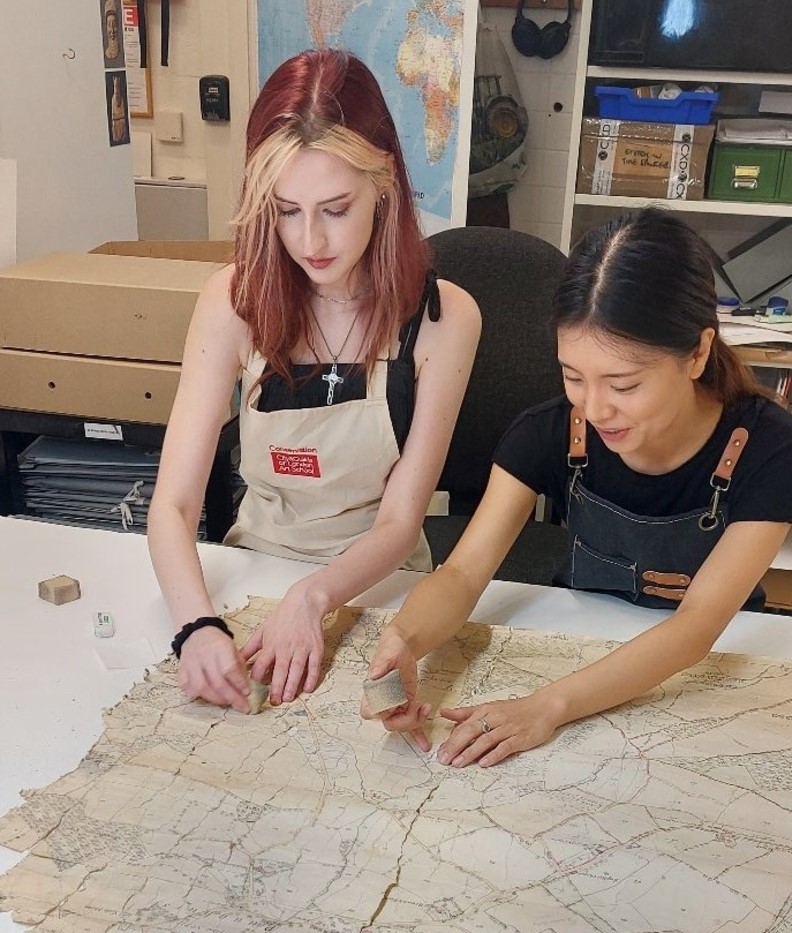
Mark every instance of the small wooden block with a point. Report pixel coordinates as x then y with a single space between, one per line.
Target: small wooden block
59 590
385 692
258 696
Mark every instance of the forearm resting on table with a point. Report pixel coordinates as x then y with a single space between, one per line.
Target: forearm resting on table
631 670
376 555
434 611
174 556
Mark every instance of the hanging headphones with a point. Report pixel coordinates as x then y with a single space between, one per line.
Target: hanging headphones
546 42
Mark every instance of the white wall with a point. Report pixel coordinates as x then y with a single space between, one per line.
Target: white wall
536 203
8 212
73 190
176 88
206 37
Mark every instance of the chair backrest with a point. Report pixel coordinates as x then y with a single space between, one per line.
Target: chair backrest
513 277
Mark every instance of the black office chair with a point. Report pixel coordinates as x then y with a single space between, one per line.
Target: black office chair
513 277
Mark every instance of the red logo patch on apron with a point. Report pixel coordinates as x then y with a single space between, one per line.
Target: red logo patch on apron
300 461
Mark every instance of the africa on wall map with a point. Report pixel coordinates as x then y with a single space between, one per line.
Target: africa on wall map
414 48
671 813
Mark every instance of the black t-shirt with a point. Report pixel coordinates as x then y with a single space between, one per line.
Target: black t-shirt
534 450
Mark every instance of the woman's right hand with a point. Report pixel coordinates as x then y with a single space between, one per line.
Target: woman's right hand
393 654
212 668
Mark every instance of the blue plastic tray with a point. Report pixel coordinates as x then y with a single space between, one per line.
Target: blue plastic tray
622 103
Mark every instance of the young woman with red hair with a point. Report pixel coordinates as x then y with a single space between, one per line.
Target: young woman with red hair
354 360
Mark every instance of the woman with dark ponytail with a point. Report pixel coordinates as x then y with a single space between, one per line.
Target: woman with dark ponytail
670 466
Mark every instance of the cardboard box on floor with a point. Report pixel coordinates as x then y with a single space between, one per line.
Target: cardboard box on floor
101 334
650 160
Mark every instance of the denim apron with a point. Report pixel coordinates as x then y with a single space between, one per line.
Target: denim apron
646 559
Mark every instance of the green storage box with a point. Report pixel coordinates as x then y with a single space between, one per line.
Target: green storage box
785 183
745 173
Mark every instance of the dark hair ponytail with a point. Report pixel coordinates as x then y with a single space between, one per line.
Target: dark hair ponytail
648 277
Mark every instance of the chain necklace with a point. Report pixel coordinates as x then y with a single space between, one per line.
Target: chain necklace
340 301
332 378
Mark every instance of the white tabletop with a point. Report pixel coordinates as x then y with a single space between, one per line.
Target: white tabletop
54 684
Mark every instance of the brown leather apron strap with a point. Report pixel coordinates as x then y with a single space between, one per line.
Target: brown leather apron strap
721 478
666 579
665 585
665 592
731 454
577 439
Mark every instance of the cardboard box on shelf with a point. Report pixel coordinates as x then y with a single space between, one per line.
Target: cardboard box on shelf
649 160
101 334
92 304
90 387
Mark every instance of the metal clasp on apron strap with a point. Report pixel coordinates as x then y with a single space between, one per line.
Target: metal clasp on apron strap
721 478
577 458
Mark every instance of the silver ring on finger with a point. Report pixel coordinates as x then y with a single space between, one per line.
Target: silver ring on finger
485 726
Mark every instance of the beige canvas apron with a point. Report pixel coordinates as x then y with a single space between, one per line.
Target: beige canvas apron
315 476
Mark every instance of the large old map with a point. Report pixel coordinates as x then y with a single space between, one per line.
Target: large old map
672 813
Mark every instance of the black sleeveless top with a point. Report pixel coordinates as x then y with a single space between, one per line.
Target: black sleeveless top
310 391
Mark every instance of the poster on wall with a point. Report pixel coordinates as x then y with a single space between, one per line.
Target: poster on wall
138 78
117 107
112 40
422 52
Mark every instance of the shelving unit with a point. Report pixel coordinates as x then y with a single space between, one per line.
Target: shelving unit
591 205
765 356
20 428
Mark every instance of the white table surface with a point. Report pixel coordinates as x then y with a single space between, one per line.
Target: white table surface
54 685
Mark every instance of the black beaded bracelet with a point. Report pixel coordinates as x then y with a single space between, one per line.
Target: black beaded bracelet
184 633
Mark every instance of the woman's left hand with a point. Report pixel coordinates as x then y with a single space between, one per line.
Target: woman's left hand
289 645
491 732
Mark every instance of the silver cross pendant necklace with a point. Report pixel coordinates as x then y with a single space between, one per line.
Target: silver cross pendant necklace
332 378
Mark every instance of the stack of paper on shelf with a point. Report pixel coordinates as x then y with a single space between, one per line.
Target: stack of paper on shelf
91 483
749 332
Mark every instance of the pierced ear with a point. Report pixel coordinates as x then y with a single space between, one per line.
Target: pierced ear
702 352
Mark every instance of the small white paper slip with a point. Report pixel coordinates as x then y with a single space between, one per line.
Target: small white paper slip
103 432
104 627
120 655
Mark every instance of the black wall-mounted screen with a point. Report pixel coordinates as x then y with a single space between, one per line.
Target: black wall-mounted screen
735 35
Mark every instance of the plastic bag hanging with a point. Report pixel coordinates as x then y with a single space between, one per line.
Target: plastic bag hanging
498 141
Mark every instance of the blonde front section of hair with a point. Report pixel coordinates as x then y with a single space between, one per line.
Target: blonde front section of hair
262 261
